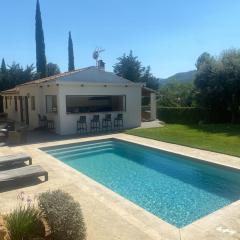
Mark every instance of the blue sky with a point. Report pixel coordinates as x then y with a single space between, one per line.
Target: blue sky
167 35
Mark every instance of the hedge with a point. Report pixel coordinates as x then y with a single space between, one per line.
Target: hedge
191 115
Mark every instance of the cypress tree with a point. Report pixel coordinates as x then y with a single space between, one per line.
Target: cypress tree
71 66
4 80
3 66
41 61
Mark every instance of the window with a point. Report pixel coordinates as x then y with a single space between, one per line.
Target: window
33 103
51 104
85 104
15 103
6 103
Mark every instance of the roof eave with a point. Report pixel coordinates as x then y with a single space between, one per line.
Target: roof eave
98 83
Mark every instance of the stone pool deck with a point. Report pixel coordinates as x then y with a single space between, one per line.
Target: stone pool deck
110 216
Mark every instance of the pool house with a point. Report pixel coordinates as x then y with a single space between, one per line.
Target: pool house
88 99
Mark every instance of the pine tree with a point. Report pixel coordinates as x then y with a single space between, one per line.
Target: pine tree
52 69
40 45
3 66
129 67
70 54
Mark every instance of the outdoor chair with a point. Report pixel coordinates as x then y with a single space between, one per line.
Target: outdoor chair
118 121
42 121
95 123
82 124
10 126
49 123
4 132
107 122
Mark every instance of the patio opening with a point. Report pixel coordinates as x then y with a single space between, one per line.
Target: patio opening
96 103
148 104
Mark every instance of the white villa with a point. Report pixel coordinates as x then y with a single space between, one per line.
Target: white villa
65 97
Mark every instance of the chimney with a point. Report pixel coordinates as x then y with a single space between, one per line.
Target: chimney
101 65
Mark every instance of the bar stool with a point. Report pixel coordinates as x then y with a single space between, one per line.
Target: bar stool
107 122
95 123
118 121
82 124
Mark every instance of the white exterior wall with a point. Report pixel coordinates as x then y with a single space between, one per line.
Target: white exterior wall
12 114
40 94
30 90
131 117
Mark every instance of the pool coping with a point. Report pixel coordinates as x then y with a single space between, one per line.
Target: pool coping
222 223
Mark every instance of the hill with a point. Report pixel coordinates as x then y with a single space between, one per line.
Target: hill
182 77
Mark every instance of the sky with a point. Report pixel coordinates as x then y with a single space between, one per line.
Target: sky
168 35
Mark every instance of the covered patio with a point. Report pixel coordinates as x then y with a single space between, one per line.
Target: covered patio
148 105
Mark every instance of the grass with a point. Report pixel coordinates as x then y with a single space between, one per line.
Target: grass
222 138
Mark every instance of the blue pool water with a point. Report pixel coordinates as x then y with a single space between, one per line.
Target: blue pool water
175 188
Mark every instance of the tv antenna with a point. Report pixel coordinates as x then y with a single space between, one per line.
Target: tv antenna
96 54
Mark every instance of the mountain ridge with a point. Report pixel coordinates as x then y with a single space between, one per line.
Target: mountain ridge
184 77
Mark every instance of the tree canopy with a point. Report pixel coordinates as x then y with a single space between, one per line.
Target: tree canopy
52 69
176 94
15 74
129 67
218 82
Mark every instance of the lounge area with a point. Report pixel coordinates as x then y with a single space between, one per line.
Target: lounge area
97 113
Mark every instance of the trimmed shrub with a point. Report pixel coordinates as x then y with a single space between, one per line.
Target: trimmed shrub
191 115
179 115
63 215
24 223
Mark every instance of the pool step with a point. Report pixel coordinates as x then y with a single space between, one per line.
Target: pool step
79 149
59 148
70 157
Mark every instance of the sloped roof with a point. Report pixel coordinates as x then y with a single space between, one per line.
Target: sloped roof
95 76
10 91
54 77
88 75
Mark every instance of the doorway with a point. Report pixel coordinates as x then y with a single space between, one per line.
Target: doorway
26 111
21 107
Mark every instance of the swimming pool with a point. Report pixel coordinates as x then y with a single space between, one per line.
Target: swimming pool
175 188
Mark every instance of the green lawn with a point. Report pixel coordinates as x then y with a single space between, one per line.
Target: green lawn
223 138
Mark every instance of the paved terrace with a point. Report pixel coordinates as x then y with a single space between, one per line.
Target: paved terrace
109 216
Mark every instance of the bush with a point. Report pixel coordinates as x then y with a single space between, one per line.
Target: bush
63 215
191 115
24 223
